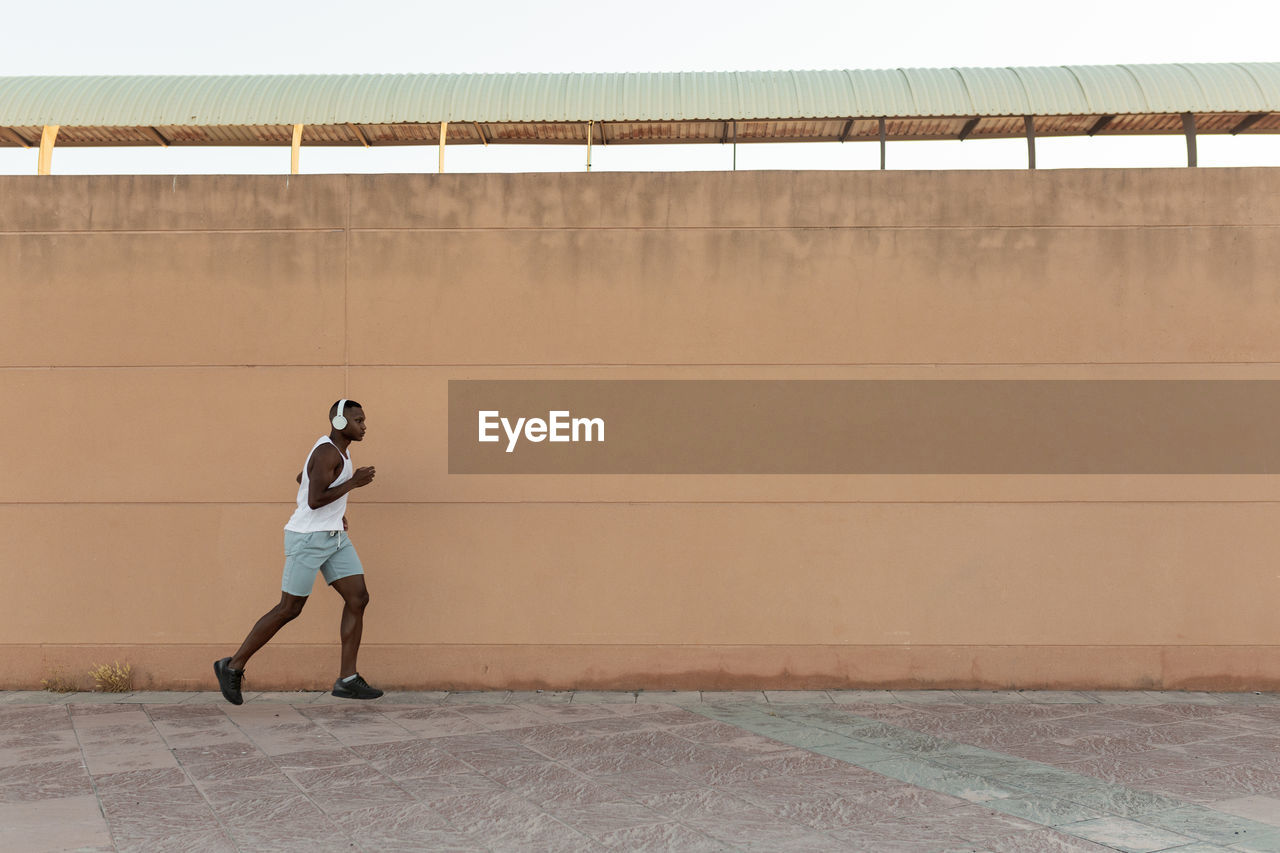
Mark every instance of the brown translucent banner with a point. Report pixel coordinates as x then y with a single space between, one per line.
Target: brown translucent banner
864 427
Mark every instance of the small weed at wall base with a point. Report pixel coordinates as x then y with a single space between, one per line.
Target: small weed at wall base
113 678
59 682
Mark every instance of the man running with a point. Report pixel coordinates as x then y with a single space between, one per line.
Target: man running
315 540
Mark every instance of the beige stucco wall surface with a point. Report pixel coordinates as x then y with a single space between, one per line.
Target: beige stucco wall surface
168 347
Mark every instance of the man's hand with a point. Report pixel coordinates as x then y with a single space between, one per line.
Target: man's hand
344 523
363 476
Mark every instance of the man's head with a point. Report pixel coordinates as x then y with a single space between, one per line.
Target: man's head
352 420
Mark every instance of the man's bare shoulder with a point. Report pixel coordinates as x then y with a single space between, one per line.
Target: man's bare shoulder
327 449
326 454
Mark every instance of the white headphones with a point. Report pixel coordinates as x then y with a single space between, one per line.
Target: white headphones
339 421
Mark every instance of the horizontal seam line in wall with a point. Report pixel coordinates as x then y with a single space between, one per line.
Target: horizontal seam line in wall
519 645
686 503
570 228
645 364
184 231
990 227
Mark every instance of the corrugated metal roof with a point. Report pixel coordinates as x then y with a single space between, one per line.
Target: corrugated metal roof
938 92
692 107
996 91
887 90
708 96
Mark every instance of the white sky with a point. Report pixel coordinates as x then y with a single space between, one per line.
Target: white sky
320 36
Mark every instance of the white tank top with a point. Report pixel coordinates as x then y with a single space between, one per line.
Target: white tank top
328 517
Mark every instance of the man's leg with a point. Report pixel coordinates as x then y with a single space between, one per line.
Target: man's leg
228 673
267 627
355 597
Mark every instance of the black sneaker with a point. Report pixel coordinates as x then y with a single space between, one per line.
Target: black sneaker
229 680
356 688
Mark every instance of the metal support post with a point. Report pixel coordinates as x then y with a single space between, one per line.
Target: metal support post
1189 128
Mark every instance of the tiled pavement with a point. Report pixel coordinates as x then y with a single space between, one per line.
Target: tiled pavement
811 771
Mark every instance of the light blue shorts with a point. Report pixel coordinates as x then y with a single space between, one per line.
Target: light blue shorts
328 552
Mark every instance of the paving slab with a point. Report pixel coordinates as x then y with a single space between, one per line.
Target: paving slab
63 823
778 770
672 697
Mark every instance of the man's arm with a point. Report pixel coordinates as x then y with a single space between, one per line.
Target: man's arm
325 465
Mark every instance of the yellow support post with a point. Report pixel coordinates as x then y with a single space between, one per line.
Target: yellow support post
590 126
47 136
444 131
296 149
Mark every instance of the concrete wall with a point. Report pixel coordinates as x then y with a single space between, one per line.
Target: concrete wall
168 347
